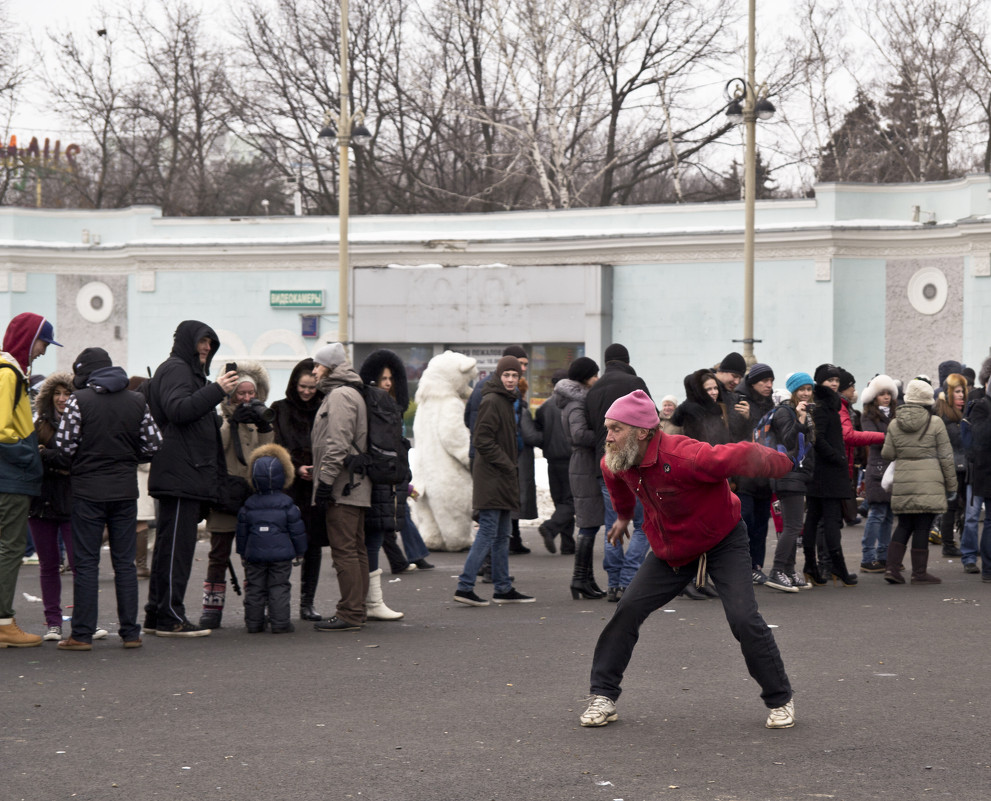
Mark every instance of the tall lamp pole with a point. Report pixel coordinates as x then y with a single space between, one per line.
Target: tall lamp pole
754 105
347 129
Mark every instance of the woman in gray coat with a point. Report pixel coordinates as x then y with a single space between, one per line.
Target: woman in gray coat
569 395
925 476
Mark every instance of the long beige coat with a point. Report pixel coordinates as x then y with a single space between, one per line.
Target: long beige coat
340 424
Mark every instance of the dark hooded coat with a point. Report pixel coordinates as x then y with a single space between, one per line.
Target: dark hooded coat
269 526
183 403
388 509
293 423
699 416
831 476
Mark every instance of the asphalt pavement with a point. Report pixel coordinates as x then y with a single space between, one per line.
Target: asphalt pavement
473 704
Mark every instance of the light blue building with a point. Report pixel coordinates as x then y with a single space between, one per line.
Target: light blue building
892 278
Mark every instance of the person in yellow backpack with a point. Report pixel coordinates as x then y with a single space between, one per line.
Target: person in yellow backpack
27 337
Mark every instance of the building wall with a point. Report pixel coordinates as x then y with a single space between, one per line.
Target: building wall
832 278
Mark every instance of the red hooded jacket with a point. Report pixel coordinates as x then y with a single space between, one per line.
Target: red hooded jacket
853 439
682 484
19 338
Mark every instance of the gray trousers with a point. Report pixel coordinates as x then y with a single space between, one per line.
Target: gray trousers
266 584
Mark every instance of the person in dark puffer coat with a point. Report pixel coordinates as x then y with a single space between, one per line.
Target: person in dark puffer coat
270 534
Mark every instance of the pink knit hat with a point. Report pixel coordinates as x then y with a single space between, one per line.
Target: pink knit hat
635 409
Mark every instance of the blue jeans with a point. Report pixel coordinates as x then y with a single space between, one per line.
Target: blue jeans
877 533
968 538
756 512
658 583
413 543
88 520
621 567
492 537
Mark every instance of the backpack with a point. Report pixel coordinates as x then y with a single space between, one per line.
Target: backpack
764 434
383 462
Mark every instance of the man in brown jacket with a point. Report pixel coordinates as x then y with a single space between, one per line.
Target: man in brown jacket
341 430
495 486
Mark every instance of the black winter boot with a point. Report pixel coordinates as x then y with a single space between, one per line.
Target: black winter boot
582 585
839 570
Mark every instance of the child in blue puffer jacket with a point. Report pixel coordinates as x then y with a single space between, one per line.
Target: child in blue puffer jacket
270 534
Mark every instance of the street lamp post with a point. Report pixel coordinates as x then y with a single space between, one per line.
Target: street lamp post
754 106
347 129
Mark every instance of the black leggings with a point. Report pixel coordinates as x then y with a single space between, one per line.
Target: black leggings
917 525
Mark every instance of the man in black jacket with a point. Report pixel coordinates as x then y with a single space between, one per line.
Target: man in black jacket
185 473
106 431
618 379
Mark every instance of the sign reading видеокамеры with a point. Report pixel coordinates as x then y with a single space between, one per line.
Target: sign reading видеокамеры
296 298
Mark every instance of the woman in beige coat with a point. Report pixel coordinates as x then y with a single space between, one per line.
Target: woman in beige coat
925 476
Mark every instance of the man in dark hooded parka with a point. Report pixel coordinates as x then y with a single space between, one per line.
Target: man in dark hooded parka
184 473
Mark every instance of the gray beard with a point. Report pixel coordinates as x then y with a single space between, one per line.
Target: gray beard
626 459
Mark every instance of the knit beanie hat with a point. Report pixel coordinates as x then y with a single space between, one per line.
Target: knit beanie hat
617 353
331 355
920 392
758 372
582 369
508 363
846 379
635 409
878 384
671 398
826 371
733 363
86 362
799 379
515 350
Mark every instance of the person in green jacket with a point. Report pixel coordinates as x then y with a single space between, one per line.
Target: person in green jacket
925 478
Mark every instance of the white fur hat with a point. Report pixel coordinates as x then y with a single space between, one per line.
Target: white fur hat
877 385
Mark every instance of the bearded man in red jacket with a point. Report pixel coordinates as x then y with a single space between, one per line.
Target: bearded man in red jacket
692 522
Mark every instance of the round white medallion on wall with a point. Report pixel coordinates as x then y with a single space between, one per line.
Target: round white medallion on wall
927 290
95 302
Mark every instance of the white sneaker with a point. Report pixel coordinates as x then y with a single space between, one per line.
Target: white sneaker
601 710
782 717
100 634
53 633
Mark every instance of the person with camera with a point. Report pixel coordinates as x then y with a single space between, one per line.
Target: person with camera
185 473
247 425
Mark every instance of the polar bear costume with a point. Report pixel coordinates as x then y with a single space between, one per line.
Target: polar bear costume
443 478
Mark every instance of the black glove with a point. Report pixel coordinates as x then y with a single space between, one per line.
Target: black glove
262 427
324 495
244 414
951 497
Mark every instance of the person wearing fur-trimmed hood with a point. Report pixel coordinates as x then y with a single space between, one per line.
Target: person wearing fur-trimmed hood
244 429
270 534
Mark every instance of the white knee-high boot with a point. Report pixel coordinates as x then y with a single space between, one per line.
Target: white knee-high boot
375 607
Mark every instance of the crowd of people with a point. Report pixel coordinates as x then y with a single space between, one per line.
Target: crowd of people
102 457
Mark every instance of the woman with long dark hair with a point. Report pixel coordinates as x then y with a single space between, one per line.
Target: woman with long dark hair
293 422
387 514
